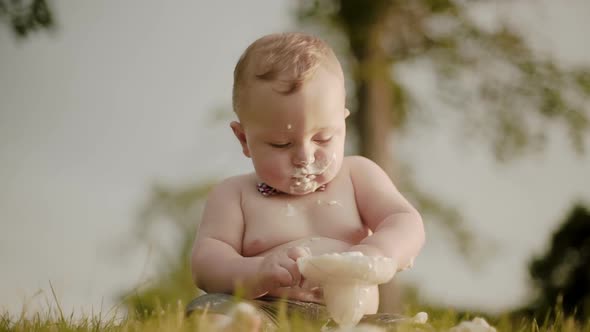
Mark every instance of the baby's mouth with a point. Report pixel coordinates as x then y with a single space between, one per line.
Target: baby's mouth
304 183
303 179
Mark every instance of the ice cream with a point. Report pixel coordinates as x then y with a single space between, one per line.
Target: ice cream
346 279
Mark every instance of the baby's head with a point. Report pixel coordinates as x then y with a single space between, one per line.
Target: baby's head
290 101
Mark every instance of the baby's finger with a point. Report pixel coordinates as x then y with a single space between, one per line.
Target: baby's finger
307 284
297 252
283 277
291 266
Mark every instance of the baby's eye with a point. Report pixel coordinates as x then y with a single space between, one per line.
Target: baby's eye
280 145
322 140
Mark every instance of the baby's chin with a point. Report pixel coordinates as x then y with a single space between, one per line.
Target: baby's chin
299 186
298 191
296 188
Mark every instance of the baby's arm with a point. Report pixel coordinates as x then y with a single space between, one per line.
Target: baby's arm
217 263
398 231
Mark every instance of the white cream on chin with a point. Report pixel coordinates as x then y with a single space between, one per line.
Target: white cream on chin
304 178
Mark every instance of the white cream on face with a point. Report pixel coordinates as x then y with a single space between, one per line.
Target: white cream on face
304 177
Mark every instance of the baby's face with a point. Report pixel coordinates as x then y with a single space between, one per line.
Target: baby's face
296 141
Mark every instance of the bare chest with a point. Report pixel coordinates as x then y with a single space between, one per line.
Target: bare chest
277 220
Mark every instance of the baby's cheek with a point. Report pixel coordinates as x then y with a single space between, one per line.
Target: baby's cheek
324 157
270 171
333 169
334 159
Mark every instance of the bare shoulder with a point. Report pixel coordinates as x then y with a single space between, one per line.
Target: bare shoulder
358 160
222 217
367 177
232 187
376 195
363 165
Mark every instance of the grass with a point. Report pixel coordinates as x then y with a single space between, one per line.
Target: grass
171 319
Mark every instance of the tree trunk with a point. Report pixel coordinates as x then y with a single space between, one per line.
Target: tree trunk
375 121
374 115
374 95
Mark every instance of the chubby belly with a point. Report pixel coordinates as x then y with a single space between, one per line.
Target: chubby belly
317 245
313 293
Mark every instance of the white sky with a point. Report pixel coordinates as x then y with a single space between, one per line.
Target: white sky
120 97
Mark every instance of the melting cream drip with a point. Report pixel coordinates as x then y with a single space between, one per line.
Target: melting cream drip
346 279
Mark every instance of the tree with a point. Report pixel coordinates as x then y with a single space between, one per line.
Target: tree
26 16
382 34
562 274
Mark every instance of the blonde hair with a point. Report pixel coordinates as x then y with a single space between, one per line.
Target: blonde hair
286 58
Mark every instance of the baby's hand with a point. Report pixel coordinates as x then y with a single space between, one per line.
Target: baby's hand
280 269
366 249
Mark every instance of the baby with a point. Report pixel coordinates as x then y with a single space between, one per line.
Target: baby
304 197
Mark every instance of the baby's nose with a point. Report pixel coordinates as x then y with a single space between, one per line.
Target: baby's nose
303 157
304 161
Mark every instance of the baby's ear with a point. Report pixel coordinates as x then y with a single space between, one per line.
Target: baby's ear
346 112
241 136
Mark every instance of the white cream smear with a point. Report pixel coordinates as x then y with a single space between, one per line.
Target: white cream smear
304 177
289 210
346 279
330 203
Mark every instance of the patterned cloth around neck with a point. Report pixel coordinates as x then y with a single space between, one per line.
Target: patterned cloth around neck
267 190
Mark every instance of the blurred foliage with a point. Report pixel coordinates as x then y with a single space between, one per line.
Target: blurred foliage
179 208
172 284
562 274
520 93
26 16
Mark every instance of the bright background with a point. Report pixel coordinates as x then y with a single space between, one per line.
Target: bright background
126 94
